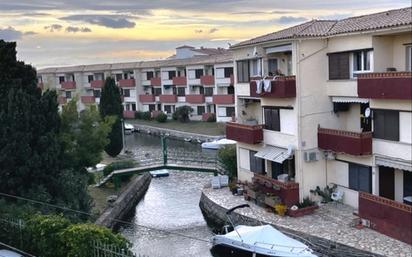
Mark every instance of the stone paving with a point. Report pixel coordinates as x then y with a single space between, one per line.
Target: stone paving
331 221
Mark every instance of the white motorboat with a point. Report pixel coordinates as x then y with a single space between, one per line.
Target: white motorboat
128 128
159 173
218 143
97 168
260 241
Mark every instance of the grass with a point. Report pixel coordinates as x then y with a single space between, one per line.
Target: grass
198 127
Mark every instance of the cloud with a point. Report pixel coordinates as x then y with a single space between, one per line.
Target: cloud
30 33
10 33
213 30
53 27
110 21
290 19
77 29
210 31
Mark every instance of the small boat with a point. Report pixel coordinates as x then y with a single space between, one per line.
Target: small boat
128 128
218 143
253 241
98 167
159 173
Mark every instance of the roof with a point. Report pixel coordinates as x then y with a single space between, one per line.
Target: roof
326 28
185 46
210 51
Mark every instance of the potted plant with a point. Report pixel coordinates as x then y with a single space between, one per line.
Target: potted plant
305 207
281 209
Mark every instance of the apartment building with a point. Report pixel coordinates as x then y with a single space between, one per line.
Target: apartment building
330 102
201 78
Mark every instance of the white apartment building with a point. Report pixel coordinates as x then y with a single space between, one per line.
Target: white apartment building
330 102
201 78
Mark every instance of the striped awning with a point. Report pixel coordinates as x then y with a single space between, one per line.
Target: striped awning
342 99
393 163
273 153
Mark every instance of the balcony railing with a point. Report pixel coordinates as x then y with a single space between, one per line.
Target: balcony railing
249 134
127 83
195 99
146 98
281 87
179 81
155 81
223 99
340 141
168 98
97 83
387 216
385 85
128 114
68 85
88 99
207 80
61 100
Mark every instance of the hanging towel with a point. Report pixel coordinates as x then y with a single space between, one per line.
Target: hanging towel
259 84
267 85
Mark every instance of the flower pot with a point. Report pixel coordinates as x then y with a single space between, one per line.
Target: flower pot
302 211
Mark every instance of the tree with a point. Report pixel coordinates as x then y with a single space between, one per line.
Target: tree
182 113
227 156
111 105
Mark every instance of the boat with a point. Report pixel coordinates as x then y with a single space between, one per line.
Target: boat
159 173
128 128
218 143
254 241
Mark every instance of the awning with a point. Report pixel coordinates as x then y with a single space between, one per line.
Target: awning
279 49
393 163
342 99
273 153
223 84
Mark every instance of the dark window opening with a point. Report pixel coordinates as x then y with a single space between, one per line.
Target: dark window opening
149 75
243 75
126 92
386 124
198 73
90 78
119 77
172 74
230 111
61 79
228 72
360 178
257 165
230 90
200 110
272 118
208 91
152 107
96 93
181 91
157 91
68 94
339 66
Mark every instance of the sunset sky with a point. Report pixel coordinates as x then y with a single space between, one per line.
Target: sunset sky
71 32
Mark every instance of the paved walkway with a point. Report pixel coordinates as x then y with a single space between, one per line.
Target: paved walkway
330 221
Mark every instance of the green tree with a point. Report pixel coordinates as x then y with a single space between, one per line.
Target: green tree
227 156
182 113
111 105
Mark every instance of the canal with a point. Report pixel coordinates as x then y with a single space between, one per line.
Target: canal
171 204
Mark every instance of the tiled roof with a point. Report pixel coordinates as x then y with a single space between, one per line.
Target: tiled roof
324 28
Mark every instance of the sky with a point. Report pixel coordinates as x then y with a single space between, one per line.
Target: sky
72 32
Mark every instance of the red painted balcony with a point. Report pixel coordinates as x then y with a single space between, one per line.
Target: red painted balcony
128 114
249 134
223 99
387 216
61 100
281 87
126 83
168 98
97 83
207 80
68 85
341 141
146 98
385 85
195 99
88 99
179 81
155 82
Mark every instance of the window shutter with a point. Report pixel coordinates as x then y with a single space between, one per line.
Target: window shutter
339 66
392 125
353 177
365 179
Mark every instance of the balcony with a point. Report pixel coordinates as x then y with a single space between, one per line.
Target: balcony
146 98
88 99
281 87
97 83
195 99
385 85
128 114
208 80
155 81
387 216
249 134
179 81
61 100
340 141
126 83
168 98
223 99
68 85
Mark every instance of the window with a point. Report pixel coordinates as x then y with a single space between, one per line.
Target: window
149 75
172 74
168 108
386 124
360 178
133 107
157 91
152 107
99 76
126 92
339 66
272 66
272 118
201 90
243 75
230 90
200 110
277 169
118 77
255 67
362 62
230 111
61 79
257 165
409 58
208 91
407 183
96 93
181 91
68 94
198 73
90 78
228 72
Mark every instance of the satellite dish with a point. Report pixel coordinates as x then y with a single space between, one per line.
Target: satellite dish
290 150
367 112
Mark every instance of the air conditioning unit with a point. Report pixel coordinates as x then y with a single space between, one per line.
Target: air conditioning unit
311 156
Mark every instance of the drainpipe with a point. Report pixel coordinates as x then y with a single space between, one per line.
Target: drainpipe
299 110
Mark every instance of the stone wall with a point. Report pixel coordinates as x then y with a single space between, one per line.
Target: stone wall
126 201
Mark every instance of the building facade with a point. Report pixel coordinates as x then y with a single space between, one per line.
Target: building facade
330 102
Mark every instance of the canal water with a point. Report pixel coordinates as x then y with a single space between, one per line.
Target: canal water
171 204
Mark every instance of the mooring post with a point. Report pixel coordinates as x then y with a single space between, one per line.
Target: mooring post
164 150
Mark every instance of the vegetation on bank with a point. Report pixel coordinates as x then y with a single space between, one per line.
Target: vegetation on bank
227 157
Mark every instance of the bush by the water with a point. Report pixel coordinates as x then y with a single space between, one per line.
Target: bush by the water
161 117
182 113
120 165
227 157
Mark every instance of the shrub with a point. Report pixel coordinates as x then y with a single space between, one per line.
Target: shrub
182 113
120 165
211 118
326 193
138 115
107 170
227 156
306 203
161 117
146 116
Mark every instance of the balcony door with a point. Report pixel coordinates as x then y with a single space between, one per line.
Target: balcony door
387 182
